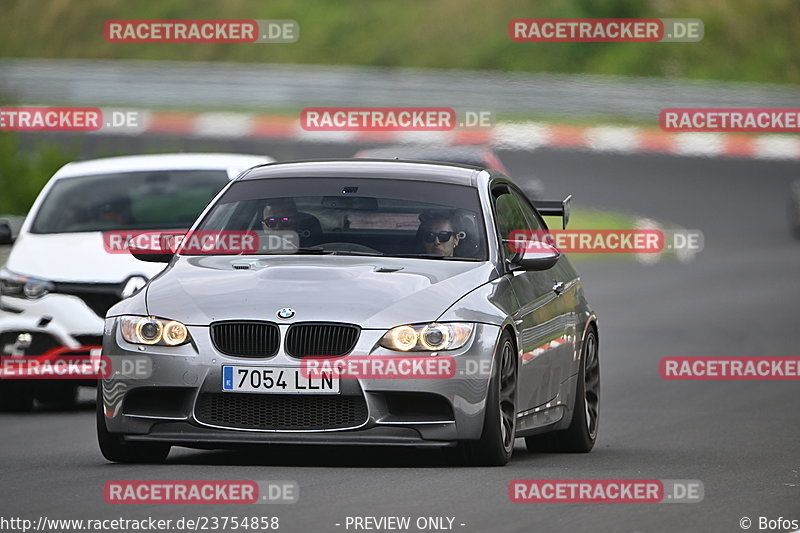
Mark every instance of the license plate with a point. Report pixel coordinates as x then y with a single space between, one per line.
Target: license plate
277 380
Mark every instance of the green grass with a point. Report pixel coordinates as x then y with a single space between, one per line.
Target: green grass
594 219
23 173
598 219
745 40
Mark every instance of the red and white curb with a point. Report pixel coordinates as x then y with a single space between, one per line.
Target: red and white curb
525 136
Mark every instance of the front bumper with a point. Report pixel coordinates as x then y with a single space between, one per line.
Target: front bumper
163 406
59 319
51 322
189 435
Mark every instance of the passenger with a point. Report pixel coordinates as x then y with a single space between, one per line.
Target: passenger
113 213
438 233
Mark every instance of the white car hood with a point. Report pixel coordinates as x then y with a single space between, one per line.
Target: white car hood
74 257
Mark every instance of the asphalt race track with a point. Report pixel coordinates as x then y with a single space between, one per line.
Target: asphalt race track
738 297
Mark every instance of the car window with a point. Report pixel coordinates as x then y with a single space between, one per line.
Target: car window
534 222
379 216
510 217
128 201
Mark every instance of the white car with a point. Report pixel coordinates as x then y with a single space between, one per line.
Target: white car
59 280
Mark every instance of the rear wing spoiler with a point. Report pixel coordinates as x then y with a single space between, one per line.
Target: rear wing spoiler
554 208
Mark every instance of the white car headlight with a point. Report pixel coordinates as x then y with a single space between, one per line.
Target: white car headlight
428 337
20 286
152 330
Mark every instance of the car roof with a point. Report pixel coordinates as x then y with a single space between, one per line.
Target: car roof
233 163
368 168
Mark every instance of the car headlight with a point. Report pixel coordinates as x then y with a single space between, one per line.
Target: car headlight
427 337
152 330
20 286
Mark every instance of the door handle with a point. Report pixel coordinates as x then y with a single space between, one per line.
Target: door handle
558 287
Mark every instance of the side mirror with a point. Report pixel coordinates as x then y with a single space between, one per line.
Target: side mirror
152 258
5 233
151 255
537 256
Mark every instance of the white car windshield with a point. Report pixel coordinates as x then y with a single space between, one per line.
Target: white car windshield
128 201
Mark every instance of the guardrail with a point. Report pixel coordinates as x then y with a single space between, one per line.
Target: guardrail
257 86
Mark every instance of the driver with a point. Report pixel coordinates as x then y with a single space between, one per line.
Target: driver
113 213
279 214
279 224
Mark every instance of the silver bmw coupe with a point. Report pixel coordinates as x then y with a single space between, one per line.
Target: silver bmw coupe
383 304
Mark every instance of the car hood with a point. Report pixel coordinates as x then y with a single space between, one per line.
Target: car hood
74 257
371 292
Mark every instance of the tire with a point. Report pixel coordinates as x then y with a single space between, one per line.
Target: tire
59 395
496 444
581 434
16 397
116 450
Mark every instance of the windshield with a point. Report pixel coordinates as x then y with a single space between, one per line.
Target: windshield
355 216
128 201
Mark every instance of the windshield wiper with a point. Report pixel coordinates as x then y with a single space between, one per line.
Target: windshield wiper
318 250
436 256
352 252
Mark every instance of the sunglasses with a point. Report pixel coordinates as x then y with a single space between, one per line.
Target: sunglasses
278 222
442 236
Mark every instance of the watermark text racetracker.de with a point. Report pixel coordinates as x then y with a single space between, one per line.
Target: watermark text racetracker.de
730 368
606 491
194 524
75 119
605 30
81 363
384 367
619 241
730 120
200 242
393 119
200 492
60 366
201 31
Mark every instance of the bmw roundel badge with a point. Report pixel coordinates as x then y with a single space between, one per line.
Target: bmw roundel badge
285 313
